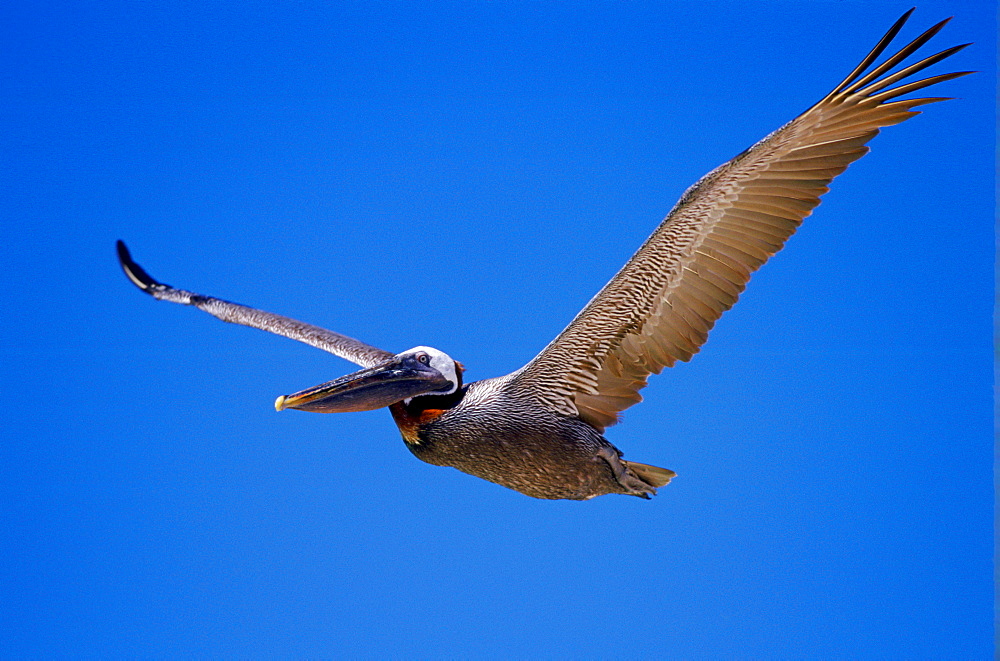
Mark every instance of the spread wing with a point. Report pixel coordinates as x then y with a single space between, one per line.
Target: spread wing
659 308
339 345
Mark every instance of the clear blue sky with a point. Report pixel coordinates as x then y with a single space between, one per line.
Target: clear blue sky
467 175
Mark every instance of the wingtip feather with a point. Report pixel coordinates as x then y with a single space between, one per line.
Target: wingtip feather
135 273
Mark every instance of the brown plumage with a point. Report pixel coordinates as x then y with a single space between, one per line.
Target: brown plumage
538 430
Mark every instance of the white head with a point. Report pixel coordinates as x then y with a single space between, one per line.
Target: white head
438 360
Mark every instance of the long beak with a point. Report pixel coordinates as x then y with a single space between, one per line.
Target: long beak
367 390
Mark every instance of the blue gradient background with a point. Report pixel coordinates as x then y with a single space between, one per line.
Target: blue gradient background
467 175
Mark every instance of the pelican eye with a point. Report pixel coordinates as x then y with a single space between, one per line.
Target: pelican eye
424 358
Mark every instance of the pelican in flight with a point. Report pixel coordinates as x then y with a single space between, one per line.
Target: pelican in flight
539 430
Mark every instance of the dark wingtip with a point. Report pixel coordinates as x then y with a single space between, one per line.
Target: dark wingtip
901 21
133 271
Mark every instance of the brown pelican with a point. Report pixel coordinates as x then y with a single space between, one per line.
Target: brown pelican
539 429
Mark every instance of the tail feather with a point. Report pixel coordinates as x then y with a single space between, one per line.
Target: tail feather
652 475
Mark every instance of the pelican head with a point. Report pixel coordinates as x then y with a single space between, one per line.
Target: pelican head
415 372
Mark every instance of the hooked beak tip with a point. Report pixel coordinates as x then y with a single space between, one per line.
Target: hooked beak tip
279 404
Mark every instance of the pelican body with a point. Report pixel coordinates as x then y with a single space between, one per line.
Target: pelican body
539 430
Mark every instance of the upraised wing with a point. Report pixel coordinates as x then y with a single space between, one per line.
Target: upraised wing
339 345
659 308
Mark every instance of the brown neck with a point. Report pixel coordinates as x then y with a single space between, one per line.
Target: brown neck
421 411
